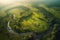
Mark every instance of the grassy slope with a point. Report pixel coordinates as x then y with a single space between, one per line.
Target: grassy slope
6 36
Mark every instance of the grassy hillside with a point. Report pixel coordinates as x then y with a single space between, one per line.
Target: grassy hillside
34 21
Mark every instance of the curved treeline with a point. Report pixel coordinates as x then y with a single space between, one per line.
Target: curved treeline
30 22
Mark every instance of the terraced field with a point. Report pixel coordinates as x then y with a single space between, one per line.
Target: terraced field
29 22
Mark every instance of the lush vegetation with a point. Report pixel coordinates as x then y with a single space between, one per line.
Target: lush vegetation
30 21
